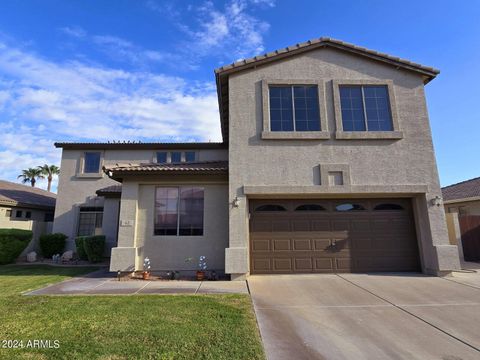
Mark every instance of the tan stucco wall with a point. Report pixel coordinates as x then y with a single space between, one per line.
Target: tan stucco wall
390 164
136 239
75 191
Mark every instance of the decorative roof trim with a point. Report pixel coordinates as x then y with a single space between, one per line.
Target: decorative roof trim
321 42
139 145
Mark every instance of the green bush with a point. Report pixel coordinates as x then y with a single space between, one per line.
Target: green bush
52 244
94 247
80 248
12 243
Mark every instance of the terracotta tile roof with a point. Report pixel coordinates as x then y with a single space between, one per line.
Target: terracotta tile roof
193 167
110 190
462 190
326 41
15 194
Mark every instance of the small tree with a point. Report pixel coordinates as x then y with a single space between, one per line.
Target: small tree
31 175
49 171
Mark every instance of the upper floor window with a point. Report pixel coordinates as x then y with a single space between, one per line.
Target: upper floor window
294 108
91 163
189 156
162 157
175 156
365 108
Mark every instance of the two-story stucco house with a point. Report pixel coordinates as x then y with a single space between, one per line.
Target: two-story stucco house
327 165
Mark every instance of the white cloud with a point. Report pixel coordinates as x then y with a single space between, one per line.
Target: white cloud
231 32
74 31
42 102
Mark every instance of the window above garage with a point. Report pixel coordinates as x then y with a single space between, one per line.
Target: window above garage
365 109
294 109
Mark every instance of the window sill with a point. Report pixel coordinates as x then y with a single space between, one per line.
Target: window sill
380 135
89 175
295 135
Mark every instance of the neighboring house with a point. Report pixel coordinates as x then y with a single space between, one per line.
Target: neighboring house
462 205
27 208
463 197
326 165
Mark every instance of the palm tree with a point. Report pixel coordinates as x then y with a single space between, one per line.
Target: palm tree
31 175
49 171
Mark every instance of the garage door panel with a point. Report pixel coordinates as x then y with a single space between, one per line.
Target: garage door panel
261 245
321 225
281 244
361 243
301 225
258 225
280 225
324 264
304 264
343 264
261 264
302 244
322 244
361 225
339 225
333 241
283 264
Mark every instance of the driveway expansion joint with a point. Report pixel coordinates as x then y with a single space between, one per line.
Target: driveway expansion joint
411 314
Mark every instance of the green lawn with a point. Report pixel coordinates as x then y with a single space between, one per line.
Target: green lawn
122 327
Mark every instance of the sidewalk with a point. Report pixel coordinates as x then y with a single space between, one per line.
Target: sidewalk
102 282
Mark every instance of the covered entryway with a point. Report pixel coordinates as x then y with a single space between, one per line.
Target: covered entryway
347 235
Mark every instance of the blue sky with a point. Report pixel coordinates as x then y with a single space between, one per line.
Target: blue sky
97 70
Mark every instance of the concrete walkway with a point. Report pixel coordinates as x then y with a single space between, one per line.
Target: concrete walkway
368 316
103 283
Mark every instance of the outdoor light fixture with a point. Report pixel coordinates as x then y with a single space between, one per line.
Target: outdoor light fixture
436 201
235 202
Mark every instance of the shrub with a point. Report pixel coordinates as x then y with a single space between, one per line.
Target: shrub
81 248
52 244
94 247
12 243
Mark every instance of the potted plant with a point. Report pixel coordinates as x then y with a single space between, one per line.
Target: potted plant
146 269
202 268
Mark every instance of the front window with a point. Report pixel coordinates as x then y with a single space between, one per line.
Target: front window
90 221
179 211
92 163
294 108
365 108
18 214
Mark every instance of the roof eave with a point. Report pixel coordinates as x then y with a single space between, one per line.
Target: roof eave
139 146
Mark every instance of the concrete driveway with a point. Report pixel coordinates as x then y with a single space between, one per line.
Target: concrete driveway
368 316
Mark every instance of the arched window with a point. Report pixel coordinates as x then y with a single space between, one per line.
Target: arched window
388 206
310 207
270 208
349 207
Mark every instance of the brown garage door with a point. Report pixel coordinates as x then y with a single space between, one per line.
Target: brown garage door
302 236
